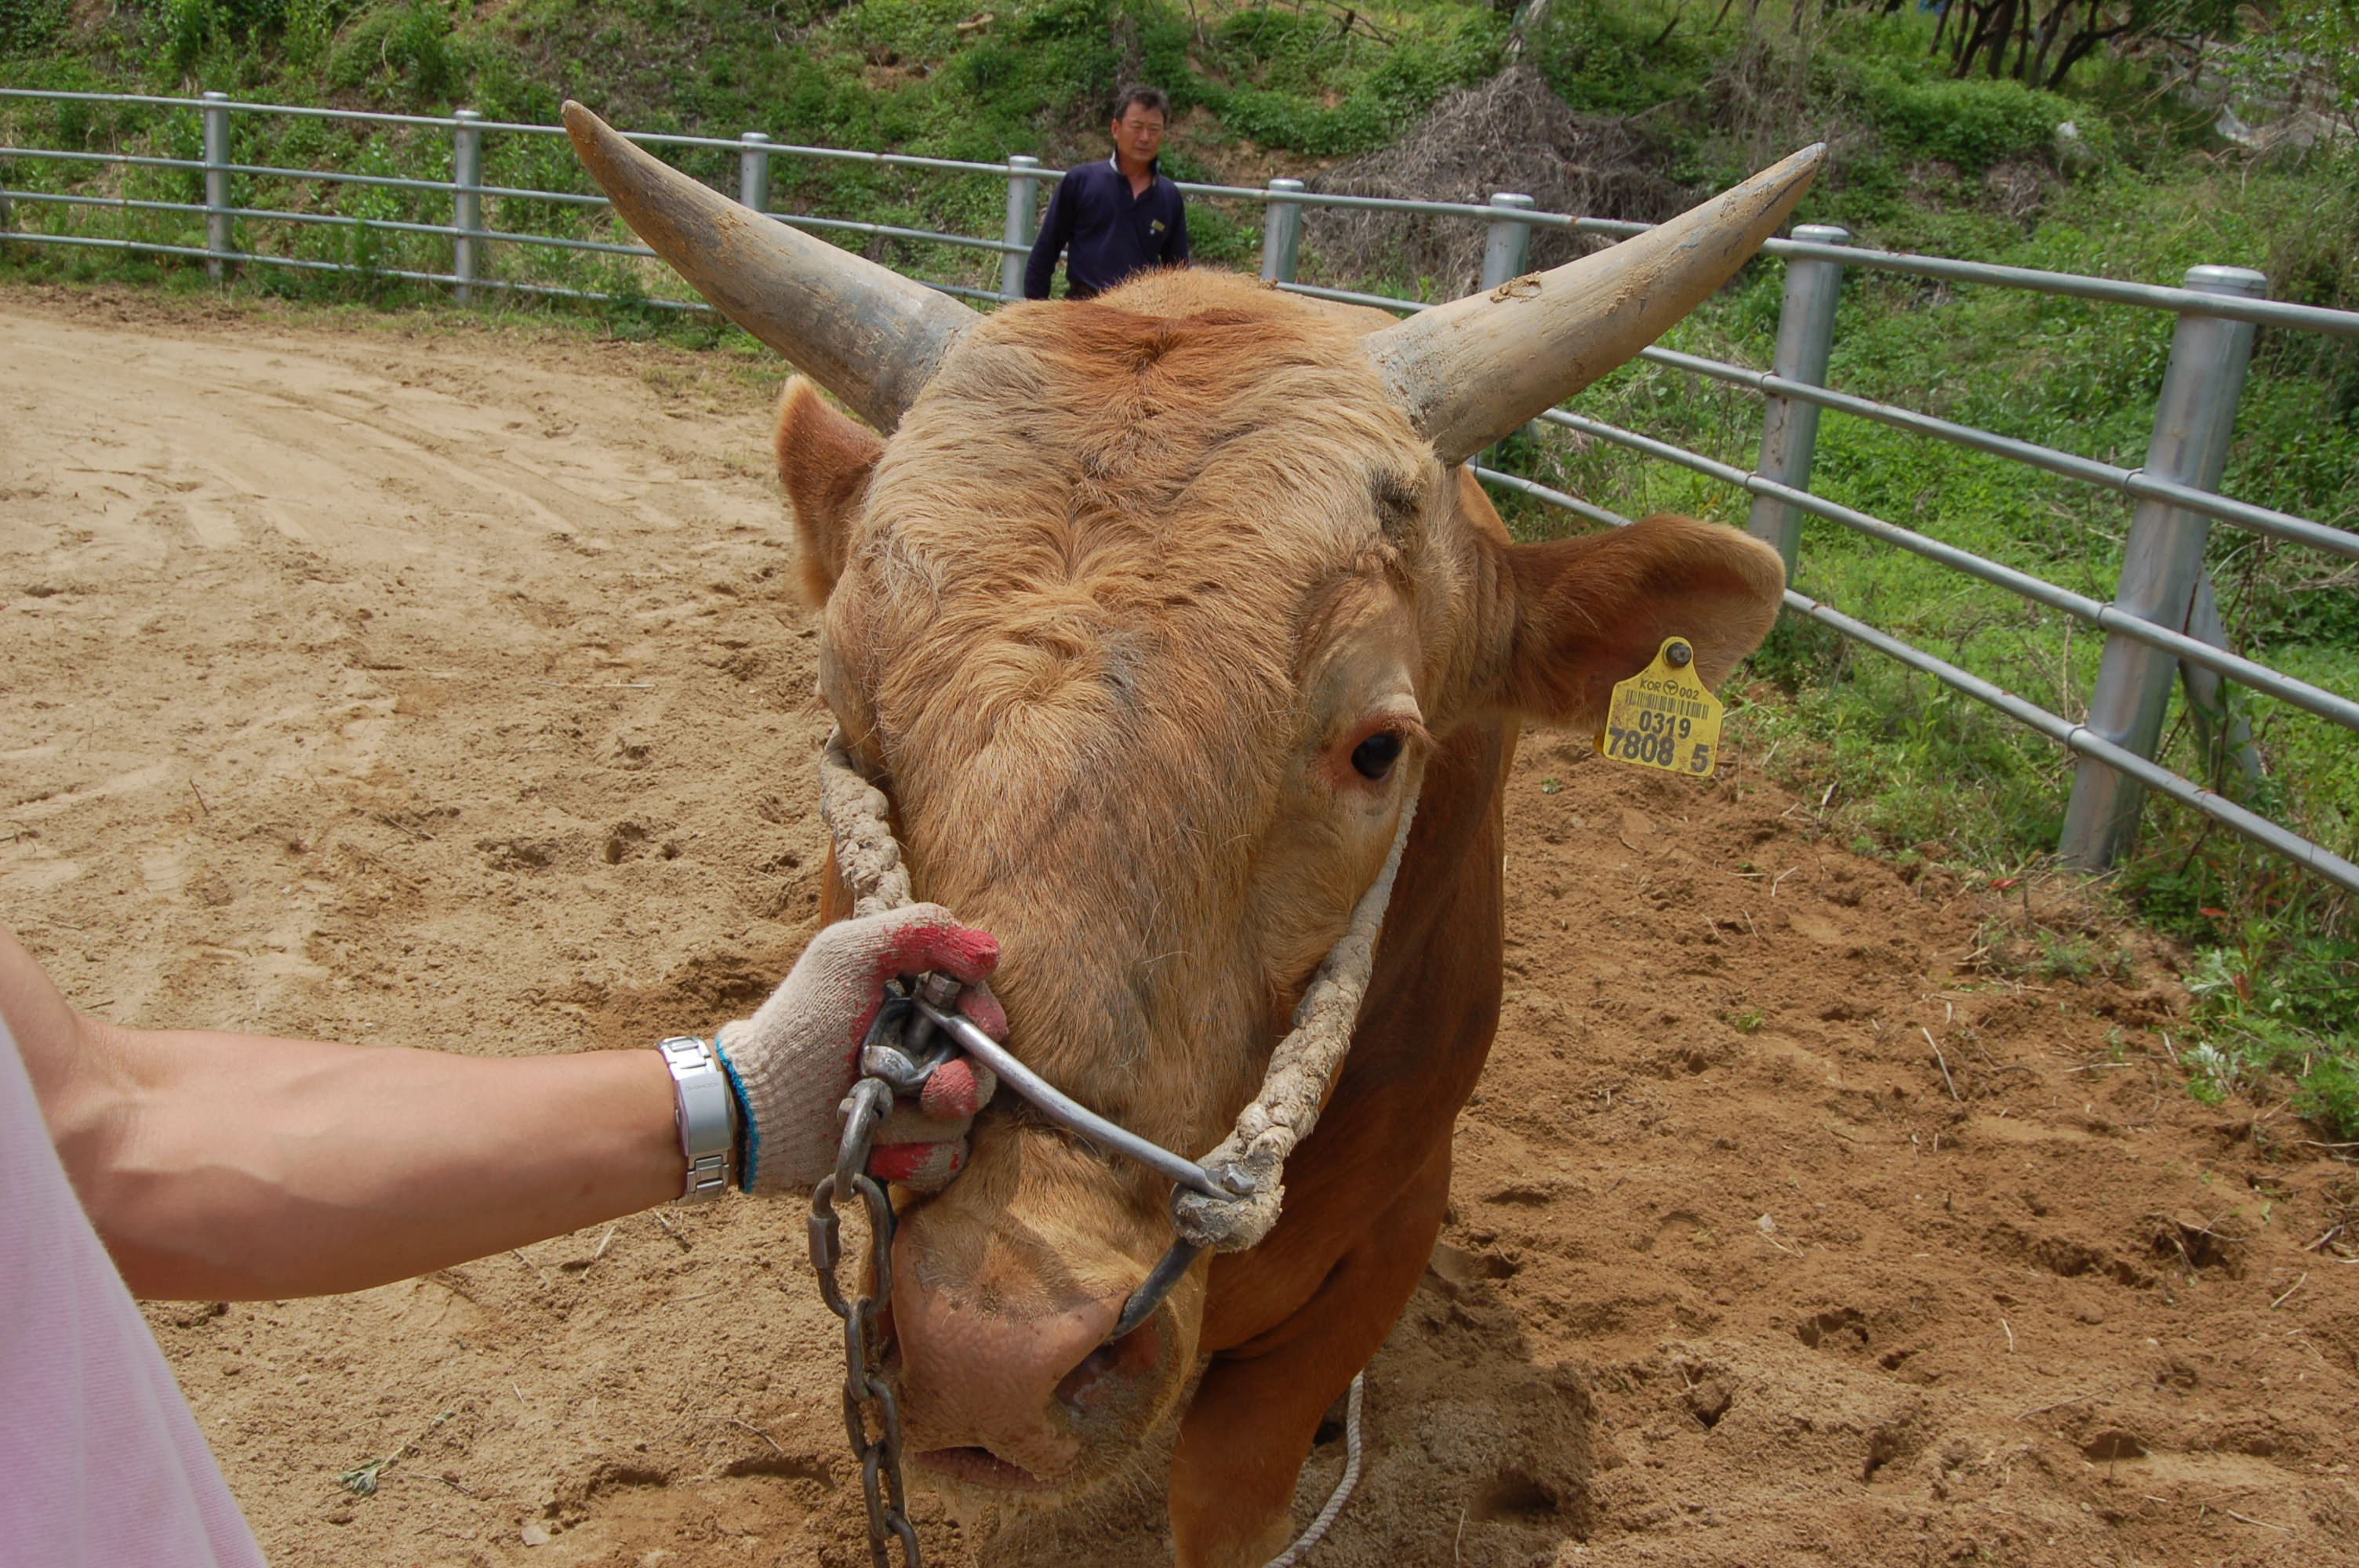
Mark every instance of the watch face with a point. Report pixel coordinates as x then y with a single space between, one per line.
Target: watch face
706 1110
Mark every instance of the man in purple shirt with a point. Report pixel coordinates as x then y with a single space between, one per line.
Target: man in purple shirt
1115 218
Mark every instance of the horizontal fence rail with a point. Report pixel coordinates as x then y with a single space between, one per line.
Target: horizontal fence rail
2161 621
2076 738
2264 312
2341 710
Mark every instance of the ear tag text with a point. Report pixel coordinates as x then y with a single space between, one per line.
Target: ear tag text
1662 717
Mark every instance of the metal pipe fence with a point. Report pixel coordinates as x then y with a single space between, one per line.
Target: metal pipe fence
466 190
2161 623
2078 738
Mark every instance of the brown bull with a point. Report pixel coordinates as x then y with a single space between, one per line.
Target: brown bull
1148 615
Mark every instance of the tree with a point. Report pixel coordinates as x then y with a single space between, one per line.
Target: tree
2048 37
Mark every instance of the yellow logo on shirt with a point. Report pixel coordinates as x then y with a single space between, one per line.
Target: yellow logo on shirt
1154 225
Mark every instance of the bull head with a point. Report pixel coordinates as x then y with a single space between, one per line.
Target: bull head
1148 614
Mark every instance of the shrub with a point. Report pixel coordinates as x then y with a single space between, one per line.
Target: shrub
410 45
1597 58
188 30
2329 1096
1973 123
1410 78
2276 1007
28 26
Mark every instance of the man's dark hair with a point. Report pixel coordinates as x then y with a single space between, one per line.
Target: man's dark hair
1145 97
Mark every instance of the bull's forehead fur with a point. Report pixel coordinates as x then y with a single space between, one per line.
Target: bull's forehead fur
1085 614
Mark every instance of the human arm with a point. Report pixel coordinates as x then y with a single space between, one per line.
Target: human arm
235 1166
1055 230
1176 253
244 1167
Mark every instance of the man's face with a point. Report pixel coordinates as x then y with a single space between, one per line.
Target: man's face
1138 135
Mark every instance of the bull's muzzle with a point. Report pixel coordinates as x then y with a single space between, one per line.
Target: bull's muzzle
1008 1401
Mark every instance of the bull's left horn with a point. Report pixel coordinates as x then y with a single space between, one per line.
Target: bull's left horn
870 336
1470 372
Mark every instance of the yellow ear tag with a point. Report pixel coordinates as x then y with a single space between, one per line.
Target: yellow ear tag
1663 717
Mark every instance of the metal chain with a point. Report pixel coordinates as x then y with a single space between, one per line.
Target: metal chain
867 1395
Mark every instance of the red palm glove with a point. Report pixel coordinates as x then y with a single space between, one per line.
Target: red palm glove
796 1058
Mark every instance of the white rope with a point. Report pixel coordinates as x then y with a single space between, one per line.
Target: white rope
1301 1072
859 819
1343 1493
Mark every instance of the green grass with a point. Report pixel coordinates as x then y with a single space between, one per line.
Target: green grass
2274 1009
1922 162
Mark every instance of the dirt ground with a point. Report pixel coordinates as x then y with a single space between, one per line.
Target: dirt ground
408 681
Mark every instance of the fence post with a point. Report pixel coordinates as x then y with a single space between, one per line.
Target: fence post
1281 233
1506 243
219 237
1789 430
1023 201
2162 561
2219 721
466 201
753 172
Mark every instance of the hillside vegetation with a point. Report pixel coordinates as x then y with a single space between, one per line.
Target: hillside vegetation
2200 133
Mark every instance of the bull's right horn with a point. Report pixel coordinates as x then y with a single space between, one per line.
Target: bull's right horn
1469 372
869 335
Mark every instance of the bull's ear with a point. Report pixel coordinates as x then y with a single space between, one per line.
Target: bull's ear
824 461
1591 612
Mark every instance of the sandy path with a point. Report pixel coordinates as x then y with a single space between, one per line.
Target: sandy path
423 683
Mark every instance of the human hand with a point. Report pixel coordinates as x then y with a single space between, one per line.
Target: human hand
795 1059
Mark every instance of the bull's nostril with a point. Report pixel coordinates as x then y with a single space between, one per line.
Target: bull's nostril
1103 1372
1078 1385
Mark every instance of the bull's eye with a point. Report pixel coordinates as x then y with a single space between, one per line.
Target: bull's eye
1374 757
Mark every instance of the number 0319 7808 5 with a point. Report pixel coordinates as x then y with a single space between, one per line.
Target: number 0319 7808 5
1661 740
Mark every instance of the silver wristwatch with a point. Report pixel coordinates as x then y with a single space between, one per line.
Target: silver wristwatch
708 1115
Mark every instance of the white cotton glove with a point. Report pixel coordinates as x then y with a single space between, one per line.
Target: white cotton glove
797 1057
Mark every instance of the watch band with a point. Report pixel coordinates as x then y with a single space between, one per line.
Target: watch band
707 1112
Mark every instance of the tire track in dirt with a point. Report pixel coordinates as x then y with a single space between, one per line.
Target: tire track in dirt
231 432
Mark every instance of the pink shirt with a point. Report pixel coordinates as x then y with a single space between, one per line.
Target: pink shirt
101 1466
